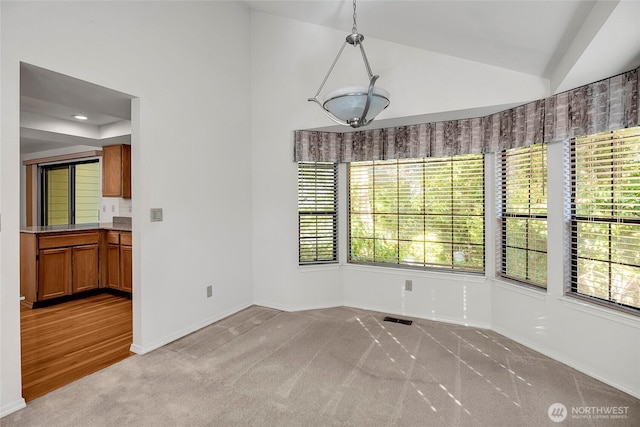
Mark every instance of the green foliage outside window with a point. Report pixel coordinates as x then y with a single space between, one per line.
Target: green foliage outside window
605 217
418 212
523 214
317 213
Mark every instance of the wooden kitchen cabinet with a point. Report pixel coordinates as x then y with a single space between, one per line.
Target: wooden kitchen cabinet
113 266
53 265
85 268
54 272
126 277
119 272
116 171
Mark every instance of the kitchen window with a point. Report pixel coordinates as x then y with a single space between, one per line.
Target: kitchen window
70 193
605 218
317 213
523 215
421 213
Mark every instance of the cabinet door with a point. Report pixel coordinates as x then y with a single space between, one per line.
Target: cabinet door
113 266
112 171
54 272
116 171
85 271
126 171
126 278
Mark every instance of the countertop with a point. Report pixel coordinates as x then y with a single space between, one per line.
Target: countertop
75 227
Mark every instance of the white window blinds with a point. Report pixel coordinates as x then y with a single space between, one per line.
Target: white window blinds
317 212
605 217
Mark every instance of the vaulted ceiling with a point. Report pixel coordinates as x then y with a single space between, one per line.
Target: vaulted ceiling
569 42
543 38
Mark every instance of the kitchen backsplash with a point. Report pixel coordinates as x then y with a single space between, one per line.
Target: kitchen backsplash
114 206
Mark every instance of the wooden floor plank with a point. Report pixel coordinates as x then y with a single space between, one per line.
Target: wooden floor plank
63 343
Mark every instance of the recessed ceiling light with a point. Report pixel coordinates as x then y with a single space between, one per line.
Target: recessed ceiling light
80 117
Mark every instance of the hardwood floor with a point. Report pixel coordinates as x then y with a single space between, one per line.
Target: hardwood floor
65 342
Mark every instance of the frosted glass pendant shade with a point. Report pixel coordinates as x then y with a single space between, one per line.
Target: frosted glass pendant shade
348 103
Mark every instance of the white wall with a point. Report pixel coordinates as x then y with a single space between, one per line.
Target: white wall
188 63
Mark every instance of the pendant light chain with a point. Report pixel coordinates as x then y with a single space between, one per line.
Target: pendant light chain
354 30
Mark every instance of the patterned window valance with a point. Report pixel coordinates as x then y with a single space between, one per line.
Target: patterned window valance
607 105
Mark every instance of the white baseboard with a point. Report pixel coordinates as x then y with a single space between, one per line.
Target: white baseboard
138 349
566 360
290 309
12 407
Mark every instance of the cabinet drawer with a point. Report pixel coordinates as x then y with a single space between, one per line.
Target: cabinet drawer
125 239
46 242
113 237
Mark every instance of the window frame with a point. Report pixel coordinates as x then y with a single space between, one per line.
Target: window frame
573 221
450 268
333 214
504 215
43 187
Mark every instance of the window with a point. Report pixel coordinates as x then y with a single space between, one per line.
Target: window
70 193
317 213
605 217
426 213
523 215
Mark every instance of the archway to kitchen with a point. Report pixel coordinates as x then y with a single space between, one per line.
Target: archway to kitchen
76 231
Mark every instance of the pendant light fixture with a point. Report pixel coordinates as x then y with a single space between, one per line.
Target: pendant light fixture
353 106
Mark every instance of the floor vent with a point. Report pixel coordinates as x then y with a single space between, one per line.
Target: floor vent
396 320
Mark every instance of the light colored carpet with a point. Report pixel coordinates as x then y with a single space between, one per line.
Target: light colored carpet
337 366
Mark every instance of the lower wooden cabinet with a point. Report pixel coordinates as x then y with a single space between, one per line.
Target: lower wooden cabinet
113 266
85 273
54 273
119 272
54 265
126 277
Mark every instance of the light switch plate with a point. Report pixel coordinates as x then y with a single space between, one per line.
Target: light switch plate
156 214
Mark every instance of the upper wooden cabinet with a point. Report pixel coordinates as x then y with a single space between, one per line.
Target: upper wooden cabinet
116 171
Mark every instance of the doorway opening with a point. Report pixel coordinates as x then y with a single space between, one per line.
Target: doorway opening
76 312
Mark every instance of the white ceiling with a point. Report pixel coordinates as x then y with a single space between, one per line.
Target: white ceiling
544 38
525 36
569 42
48 102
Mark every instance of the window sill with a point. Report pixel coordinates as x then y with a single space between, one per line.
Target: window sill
412 272
521 288
310 268
579 304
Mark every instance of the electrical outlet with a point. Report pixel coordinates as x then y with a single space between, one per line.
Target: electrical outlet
209 291
113 208
408 285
